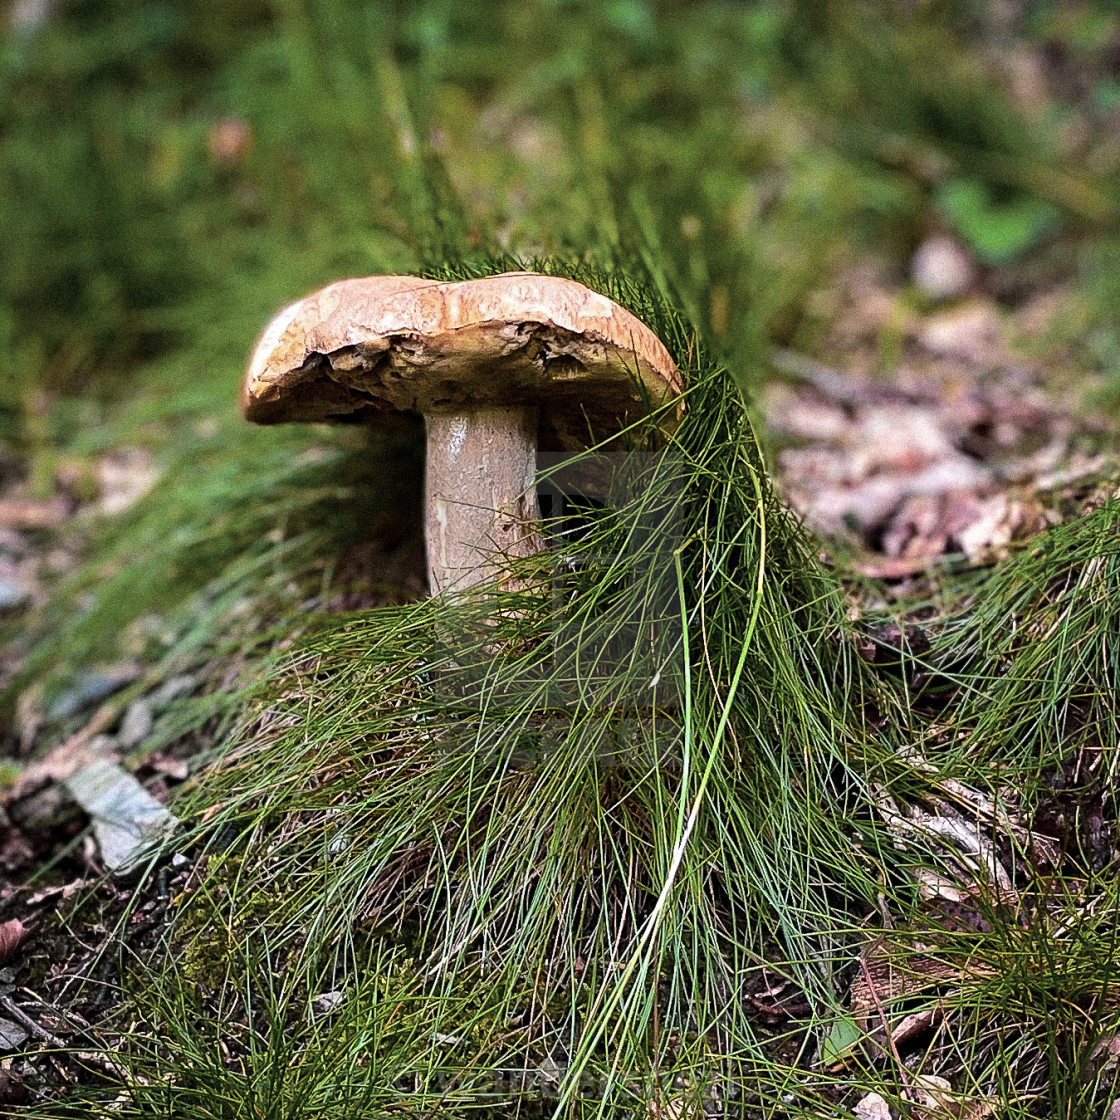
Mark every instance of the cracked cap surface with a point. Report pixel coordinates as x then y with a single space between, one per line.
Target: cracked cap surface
362 347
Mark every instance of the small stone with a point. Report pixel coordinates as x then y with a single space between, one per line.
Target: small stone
179 861
12 595
88 688
327 1002
12 1035
942 269
172 689
136 725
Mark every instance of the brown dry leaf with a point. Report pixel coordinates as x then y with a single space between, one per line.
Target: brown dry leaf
898 439
947 456
872 1107
892 567
677 1108
897 973
935 1100
68 757
934 1097
976 1108
999 520
932 884
917 530
25 513
65 892
11 935
1105 1057
890 454
971 333
917 1023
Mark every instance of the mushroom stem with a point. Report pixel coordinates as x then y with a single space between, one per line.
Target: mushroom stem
480 494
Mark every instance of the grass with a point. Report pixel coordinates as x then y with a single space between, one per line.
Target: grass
623 843
542 819
1038 654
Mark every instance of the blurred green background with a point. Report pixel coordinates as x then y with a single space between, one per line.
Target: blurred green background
171 172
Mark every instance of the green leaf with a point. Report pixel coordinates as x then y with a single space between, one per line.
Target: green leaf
840 1042
997 232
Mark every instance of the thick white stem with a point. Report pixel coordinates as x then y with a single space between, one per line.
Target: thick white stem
480 497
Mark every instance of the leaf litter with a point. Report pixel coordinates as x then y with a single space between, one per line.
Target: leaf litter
959 455
958 451
949 447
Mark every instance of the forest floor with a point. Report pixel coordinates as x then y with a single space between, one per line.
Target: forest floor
975 439
878 879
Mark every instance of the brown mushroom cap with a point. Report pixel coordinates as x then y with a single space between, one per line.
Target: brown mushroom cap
359 347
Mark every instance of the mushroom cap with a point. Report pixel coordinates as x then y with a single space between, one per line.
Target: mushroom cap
361 347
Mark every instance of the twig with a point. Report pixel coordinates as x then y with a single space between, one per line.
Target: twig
903 1072
107 1065
38 1031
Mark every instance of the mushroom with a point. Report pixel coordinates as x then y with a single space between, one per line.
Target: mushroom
497 367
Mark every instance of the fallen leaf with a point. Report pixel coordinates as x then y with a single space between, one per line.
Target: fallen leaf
978 1109
935 1097
177 769
971 333
892 567
68 757
998 522
24 513
66 892
127 819
916 1023
933 885
11 934
124 477
917 529
841 1041
895 972
872 1107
